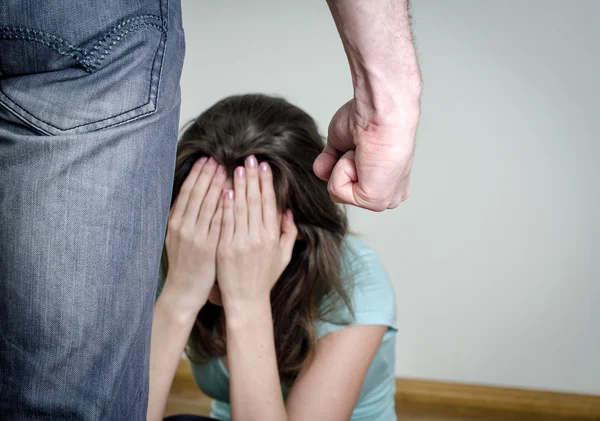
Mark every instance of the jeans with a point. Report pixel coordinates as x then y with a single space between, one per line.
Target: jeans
89 113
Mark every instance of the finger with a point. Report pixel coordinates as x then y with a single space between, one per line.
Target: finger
228 222
215 224
173 207
323 165
240 206
289 233
343 180
340 139
401 195
253 194
198 192
181 201
211 200
344 186
269 201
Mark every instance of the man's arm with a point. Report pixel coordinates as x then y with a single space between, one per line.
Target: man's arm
372 137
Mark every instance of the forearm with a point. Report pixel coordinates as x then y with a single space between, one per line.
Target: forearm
378 41
171 327
255 388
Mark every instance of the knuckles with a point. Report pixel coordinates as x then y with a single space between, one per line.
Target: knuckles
253 201
224 252
184 236
172 226
237 248
332 189
189 239
378 206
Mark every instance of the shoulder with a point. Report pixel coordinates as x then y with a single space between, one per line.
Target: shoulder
358 259
369 285
369 288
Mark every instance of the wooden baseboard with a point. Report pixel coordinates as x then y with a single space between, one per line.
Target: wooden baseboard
498 398
468 396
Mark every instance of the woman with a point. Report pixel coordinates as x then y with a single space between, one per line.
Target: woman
285 316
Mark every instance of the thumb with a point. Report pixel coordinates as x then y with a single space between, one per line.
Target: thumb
289 232
343 180
325 162
339 140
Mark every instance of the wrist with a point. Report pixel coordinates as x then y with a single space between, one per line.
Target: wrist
378 42
245 313
381 102
182 304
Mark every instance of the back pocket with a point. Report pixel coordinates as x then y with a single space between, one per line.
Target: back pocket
57 86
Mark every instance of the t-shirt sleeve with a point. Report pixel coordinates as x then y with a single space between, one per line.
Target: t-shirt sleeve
370 291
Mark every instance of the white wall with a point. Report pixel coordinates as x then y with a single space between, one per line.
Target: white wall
495 255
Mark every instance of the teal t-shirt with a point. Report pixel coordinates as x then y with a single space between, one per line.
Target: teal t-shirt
373 303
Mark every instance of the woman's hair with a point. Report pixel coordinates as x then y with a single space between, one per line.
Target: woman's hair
311 286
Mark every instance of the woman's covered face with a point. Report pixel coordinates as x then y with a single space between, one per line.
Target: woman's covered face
215 293
214 296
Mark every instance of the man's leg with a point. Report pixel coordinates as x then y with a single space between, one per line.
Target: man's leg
89 112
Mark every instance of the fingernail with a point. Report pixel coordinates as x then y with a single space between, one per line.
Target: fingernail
252 163
291 215
202 160
220 170
264 166
239 172
228 194
211 160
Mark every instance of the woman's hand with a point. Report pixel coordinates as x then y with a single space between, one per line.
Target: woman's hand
256 241
193 234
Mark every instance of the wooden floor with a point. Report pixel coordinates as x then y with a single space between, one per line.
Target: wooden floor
185 398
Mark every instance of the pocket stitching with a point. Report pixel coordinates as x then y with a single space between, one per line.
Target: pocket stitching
24 34
84 58
38 37
88 56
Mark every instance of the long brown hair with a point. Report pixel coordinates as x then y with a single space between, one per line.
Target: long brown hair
311 287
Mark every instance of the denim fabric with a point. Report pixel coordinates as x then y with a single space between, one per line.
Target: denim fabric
89 111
